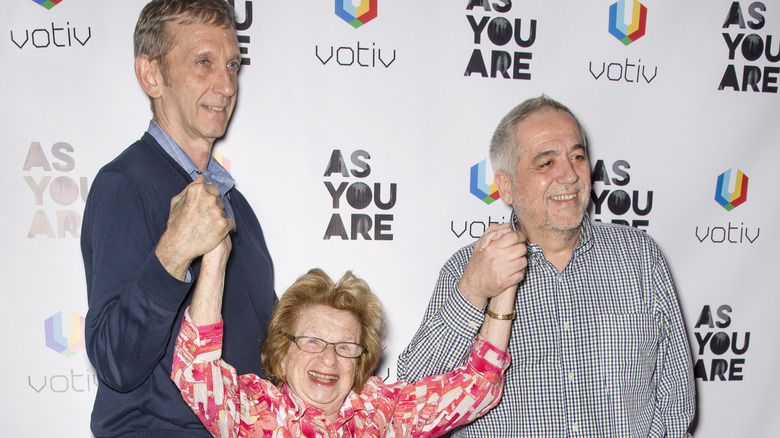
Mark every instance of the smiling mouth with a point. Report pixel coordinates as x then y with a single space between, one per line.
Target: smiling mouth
215 108
326 378
568 197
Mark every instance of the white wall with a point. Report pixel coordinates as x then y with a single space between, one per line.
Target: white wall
395 89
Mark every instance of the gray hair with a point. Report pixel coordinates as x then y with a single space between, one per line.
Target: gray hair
503 145
151 39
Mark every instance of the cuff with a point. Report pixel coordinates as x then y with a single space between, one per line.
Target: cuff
488 360
203 340
461 316
160 286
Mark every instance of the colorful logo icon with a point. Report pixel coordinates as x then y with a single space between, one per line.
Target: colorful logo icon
479 187
356 12
69 344
627 33
731 200
48 4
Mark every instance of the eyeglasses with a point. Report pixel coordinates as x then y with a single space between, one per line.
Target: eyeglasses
310 344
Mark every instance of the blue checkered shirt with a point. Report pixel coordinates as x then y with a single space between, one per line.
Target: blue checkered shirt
598 349
214 173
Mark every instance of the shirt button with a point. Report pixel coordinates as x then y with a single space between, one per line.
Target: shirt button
571 376
575 427
474 324
566 325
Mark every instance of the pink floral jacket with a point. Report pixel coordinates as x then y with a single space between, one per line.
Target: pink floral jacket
230 405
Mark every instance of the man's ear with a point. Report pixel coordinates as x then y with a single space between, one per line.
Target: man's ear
504 184
149 76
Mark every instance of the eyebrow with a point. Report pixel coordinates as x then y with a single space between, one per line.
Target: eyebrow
547 153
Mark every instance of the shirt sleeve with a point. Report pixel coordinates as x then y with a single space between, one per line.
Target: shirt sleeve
228 405
449 327
676 391
133 300
434 405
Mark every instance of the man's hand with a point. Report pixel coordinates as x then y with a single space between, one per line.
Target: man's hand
497 264
196 225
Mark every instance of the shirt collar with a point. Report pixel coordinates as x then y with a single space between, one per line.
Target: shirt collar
214 173
298 408
584 245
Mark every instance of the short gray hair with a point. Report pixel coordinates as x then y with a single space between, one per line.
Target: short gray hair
503 145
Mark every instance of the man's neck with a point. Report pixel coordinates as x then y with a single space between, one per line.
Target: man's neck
557 246
198 151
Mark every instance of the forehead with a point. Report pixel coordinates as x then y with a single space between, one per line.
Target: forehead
548 129
201 37
328 323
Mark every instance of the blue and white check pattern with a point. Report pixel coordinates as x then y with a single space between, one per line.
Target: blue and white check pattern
214 173
598 349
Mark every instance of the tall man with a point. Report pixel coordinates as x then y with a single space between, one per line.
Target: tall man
598 348
154 210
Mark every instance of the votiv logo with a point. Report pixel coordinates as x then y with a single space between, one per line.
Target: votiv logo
731 200
48 4
479 187
65 344
356 12
627 33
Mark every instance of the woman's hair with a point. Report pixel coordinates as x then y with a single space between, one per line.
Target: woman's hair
316 288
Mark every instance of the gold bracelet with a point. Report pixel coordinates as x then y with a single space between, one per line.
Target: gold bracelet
500 316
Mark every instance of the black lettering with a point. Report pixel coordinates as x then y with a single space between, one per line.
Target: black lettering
335 228
385 205
381 226
361 225
357 159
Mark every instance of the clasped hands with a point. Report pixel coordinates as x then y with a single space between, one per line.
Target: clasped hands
496 266
196 225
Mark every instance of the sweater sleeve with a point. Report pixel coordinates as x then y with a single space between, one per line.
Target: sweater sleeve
133 301
436 404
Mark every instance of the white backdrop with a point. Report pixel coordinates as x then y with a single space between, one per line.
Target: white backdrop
692 97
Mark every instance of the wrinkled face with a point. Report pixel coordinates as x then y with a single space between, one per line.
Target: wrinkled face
199 92
551 190
322 380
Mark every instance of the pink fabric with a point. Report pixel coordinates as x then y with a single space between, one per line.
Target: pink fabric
230 405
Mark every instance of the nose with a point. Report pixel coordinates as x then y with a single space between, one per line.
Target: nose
226 83
568 173
328 356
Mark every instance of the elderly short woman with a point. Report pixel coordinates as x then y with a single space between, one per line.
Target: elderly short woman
324 341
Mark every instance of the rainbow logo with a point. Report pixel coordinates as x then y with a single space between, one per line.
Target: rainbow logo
627 33
479 188
56 340
48 4
731 200
356 12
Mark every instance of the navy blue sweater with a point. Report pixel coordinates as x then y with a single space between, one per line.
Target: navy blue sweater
136 307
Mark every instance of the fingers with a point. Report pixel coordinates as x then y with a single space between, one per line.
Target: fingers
493 232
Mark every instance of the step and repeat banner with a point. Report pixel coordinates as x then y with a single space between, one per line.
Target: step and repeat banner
360 137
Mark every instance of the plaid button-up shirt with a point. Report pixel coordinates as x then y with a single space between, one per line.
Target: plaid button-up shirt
598 349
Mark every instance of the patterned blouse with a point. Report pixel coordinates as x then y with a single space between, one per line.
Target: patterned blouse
230 405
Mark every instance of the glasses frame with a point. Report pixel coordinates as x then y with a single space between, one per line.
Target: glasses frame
295 339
